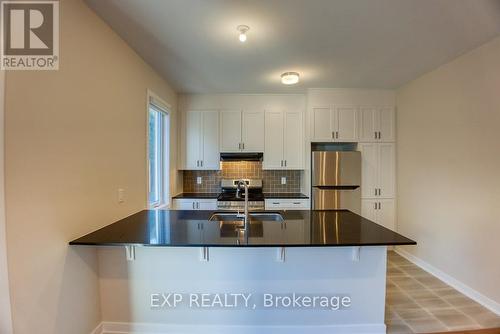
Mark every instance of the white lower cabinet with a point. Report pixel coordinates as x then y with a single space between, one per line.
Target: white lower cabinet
381 211
194 204
287 204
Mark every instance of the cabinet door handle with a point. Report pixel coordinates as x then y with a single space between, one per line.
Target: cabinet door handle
375 191
375 205
243 145
379 191
379 205
285 163
193 205
379 135
333 134
201 163
337 135
281 163
197 205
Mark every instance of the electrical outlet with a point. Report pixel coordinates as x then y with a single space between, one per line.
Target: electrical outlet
121 195
198 180
283 180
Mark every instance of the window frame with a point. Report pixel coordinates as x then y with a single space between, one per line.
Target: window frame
154 101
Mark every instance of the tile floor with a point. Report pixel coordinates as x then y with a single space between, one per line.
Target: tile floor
418 302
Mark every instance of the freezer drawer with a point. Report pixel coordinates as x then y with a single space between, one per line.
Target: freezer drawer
336 168
334 199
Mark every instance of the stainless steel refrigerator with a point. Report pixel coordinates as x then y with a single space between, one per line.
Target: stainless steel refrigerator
336 180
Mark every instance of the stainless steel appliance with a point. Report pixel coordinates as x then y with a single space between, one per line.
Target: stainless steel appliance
231 198
336 179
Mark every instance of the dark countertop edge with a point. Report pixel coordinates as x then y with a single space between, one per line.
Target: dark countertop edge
285 196
242 246
188 195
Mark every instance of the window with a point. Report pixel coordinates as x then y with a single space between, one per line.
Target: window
158 153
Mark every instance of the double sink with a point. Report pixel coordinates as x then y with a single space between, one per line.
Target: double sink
252 216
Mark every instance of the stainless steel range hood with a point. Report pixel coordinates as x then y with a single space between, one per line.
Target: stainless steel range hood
241 156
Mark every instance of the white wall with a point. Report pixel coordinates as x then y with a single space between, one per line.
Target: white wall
5 312
448 168
72 138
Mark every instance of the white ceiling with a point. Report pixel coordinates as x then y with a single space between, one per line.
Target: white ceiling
194 44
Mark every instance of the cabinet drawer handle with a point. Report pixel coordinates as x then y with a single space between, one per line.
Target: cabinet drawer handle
297 203
276 203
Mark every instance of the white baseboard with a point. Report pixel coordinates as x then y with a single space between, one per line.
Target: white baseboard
456 284
97 330
150 328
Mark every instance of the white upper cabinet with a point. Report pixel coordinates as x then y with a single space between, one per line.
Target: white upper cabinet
387 125
346 123
230 131
284 140
210 158
192 140
338 123
322 124
201 140
242 131
252 130
378 176
293 144
274 132
377 124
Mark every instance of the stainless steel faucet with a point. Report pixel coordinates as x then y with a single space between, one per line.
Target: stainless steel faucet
245 215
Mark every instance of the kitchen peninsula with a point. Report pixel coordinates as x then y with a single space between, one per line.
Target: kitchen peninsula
332 254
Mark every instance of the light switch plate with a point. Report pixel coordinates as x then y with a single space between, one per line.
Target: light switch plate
121 195
198 180
283 180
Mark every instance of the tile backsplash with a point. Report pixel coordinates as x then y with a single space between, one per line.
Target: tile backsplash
271 179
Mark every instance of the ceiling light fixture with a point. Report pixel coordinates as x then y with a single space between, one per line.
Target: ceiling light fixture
243 32
289 78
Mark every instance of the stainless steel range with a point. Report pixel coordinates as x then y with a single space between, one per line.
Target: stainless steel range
233 199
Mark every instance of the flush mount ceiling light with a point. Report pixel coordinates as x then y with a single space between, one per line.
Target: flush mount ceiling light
289 78
243 32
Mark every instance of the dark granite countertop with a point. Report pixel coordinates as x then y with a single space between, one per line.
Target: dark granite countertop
165 228
197 195
285 195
